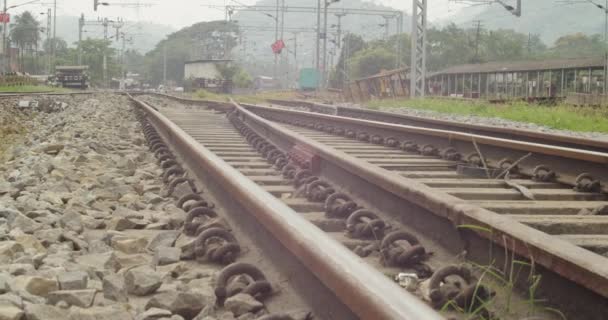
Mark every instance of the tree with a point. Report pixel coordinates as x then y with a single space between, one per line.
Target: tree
92 55
371 61
576 45
351 45
25 34
204 40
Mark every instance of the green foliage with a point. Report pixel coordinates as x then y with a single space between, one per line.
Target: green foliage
25 34
558 117
371 61
92 55
242 79
202 40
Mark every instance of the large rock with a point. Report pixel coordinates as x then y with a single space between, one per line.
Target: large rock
48 236
154 314
164 239
24 223
130 245
186 304
71 220
114 288
99 261
166 255
242 303
79 298
10 312
38 286
9 250
74 280
142 281
44 312
115 312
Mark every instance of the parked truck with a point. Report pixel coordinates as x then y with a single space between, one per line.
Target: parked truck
72 76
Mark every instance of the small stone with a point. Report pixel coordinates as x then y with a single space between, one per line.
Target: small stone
120 224
71 220
114 312
10 312
114 288
49 236
34 285
24 223
142 281
12 299
165 239
9 250
30 242
4 283
166 255
186 304
52 149
153 314
242 303
74 280
130 245
44 312
99 261
79 298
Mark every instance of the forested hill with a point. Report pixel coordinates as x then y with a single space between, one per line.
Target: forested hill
548 18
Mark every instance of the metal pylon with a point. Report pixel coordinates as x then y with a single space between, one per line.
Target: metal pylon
418 65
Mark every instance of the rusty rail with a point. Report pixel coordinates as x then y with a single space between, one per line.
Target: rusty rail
369 294
571 262
492 131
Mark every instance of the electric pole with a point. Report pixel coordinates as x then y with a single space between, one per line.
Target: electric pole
165 64
418 65
324 73
276 38
48 40
80 29
5 51
54 33
478 26
386 26
105 58
317 55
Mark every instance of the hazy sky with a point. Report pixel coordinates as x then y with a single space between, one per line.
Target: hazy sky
180 13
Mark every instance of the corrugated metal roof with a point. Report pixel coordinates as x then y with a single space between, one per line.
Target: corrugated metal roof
531 65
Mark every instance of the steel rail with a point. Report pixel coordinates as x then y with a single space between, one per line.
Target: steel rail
566 161
569 261
499 132
368 293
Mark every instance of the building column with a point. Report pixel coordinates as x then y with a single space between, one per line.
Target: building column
561 92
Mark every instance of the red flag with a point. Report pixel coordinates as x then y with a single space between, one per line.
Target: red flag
278 46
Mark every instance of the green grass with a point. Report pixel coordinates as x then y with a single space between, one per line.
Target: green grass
26 89
561 116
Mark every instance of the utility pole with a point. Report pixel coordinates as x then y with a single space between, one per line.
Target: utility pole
317 55
386 25
324 73
165 64
5 50
105 58
276 38
80 29
282 64
605 46
339 16
418 65
48 40
54 34
477 39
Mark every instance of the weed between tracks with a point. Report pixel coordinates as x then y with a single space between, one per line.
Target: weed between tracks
505 282
561 116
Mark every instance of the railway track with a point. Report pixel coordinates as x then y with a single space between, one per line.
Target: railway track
432 201
491 131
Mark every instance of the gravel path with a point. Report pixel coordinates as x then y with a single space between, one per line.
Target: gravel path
86 231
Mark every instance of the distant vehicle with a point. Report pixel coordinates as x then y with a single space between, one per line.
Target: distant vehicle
72 76
265 83
309 79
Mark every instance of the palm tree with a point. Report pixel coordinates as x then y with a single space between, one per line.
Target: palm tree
25 34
